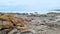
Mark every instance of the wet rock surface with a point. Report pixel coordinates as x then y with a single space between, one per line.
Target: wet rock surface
39 25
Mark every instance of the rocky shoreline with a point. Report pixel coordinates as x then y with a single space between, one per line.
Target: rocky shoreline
39 25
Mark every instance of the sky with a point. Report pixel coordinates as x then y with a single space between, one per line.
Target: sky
41 6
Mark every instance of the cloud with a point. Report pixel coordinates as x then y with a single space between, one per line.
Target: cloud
28 2
35 5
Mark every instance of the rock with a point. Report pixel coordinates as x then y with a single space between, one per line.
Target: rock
41 28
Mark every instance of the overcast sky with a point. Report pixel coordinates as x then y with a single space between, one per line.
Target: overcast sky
29 5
